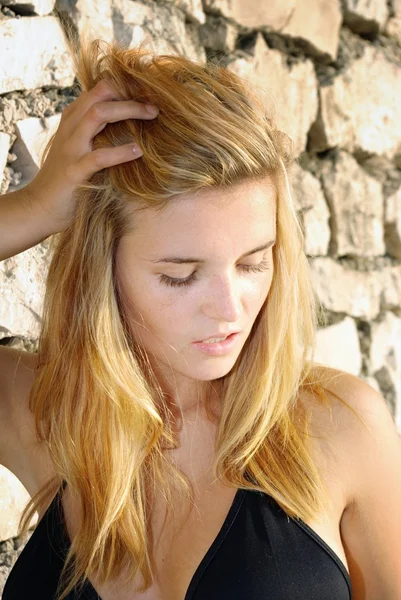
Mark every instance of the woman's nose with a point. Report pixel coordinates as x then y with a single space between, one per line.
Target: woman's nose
223 300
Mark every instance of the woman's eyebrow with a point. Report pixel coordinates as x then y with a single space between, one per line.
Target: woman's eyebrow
179 260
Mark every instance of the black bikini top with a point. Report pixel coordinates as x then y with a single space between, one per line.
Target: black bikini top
259 554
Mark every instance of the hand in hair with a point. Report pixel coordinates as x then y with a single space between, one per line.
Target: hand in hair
68 157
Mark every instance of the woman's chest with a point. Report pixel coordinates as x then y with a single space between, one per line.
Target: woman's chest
185 546
180 546
180 552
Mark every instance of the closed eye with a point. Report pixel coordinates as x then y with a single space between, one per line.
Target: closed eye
174 282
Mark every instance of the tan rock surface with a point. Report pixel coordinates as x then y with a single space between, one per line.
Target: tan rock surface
392 223
34 7
391 288
393 29
356 206
13 499
310 202
193 9
346 291
22 280
4 149
360 110
290 92
316 23
218 34
365 16
385 358
338 347
163 26
35 54
32 136
253 13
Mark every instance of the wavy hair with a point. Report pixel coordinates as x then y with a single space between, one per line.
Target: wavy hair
97 404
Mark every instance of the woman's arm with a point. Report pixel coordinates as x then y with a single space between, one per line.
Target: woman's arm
371 524
23 223
47 204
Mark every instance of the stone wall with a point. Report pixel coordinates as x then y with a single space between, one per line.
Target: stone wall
332 71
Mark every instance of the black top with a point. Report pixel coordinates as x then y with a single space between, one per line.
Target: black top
259 554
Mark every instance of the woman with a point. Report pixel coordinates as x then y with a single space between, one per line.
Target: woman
166 464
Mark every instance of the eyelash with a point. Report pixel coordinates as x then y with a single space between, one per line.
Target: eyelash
173 282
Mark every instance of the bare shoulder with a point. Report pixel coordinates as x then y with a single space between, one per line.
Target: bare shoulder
328 420
352 415
356 409
352 403
367 447
17 372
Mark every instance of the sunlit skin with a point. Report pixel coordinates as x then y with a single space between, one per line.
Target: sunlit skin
219 227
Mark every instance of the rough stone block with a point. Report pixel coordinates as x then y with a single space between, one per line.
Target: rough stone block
391 288
218 34
310 202
32 136
338 347
392 223
290 92
22 285
4 148
90 16
393 29
384 361
33 53
163 26
193 9
397 7
385 347
317 23
346 291
13 499
356 205
30 7
358 121
365 16
253 13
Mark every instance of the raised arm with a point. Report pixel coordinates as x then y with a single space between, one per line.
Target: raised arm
47 206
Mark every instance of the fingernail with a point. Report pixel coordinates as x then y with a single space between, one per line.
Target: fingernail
152 109
136 149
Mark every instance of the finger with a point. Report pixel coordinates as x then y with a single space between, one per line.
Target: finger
101 92
102 158
110 112
102 113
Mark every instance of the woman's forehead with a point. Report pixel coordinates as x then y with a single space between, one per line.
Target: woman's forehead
212 226
246 206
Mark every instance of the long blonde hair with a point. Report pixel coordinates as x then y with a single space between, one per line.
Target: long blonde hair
97 404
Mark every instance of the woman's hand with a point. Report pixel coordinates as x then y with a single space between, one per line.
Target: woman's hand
71 159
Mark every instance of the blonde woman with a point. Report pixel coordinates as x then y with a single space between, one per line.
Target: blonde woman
174 432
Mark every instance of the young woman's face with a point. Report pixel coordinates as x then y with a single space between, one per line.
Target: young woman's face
170 304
